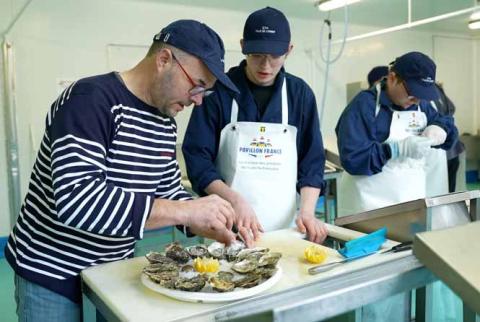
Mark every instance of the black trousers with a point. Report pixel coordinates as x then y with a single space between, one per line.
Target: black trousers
452 165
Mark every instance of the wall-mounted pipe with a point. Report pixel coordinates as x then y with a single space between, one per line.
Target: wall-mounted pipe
11 120
11 131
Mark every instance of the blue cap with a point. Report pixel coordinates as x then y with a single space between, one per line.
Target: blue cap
376 74
266 31
418 71
199 40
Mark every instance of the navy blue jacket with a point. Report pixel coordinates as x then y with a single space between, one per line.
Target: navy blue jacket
200 146
361 136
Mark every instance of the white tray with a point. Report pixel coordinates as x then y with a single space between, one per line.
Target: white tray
204 297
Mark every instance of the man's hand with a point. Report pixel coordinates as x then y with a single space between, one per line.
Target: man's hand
436 134
415 147
314 228
249 228
211 217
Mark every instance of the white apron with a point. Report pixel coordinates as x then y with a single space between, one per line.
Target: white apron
437 184
259 161
402 179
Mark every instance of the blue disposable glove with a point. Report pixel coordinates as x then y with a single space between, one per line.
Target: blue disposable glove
415 147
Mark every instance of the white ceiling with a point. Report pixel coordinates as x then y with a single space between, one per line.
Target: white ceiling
376 13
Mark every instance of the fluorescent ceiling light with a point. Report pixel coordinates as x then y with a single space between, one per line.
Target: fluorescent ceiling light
327 5
474 22
475 15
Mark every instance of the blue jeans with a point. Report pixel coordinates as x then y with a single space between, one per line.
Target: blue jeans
36 303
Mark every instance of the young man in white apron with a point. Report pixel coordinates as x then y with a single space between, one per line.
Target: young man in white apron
391 144
259 148
389 137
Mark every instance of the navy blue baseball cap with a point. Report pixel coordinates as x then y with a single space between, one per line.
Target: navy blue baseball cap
199 40
418 72
266 31
376 74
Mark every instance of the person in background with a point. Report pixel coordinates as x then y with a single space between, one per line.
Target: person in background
385 139
376 75
445 106
106 171
385 133
258 148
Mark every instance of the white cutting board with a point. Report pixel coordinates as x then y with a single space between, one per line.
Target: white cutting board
118 284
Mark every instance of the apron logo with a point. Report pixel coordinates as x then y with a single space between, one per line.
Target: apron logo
414 125
262 129
261 147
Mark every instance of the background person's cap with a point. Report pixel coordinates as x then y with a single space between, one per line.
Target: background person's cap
266 31
418 72
199 40
376 74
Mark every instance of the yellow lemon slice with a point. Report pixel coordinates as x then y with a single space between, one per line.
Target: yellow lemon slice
206 265
315 254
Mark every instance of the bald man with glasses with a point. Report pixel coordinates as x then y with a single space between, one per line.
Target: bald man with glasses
107 170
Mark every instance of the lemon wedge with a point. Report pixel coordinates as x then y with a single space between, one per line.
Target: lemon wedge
206 265
315 254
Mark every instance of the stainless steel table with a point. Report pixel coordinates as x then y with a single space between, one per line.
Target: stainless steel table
115 289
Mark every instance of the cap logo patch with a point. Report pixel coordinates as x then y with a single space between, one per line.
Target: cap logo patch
428 80
265 30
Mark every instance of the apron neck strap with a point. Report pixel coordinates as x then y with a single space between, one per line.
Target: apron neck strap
284 103
377 103
234 115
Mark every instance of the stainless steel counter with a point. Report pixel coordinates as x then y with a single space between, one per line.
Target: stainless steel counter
116 291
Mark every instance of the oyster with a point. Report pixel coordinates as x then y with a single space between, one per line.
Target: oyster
269 259
155 257
160 267
265 271
187 269
216 250
176 252
244 266
247 281
232 251
226 276
197 251
248 251
193 284
166 279
221 285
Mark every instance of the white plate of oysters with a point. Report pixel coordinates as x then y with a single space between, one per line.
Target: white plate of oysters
242 272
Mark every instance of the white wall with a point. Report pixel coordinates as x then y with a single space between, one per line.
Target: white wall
4 198
66 39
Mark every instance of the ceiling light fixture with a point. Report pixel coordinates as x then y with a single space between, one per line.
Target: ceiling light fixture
327 5
474 22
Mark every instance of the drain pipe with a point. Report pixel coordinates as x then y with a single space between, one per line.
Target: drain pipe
11 131
11 121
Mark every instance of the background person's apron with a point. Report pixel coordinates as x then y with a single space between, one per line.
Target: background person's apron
401 179
437 184
259 161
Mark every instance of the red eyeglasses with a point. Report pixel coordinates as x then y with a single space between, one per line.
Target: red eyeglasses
196 88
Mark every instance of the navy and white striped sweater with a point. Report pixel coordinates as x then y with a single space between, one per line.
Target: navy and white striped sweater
104 158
